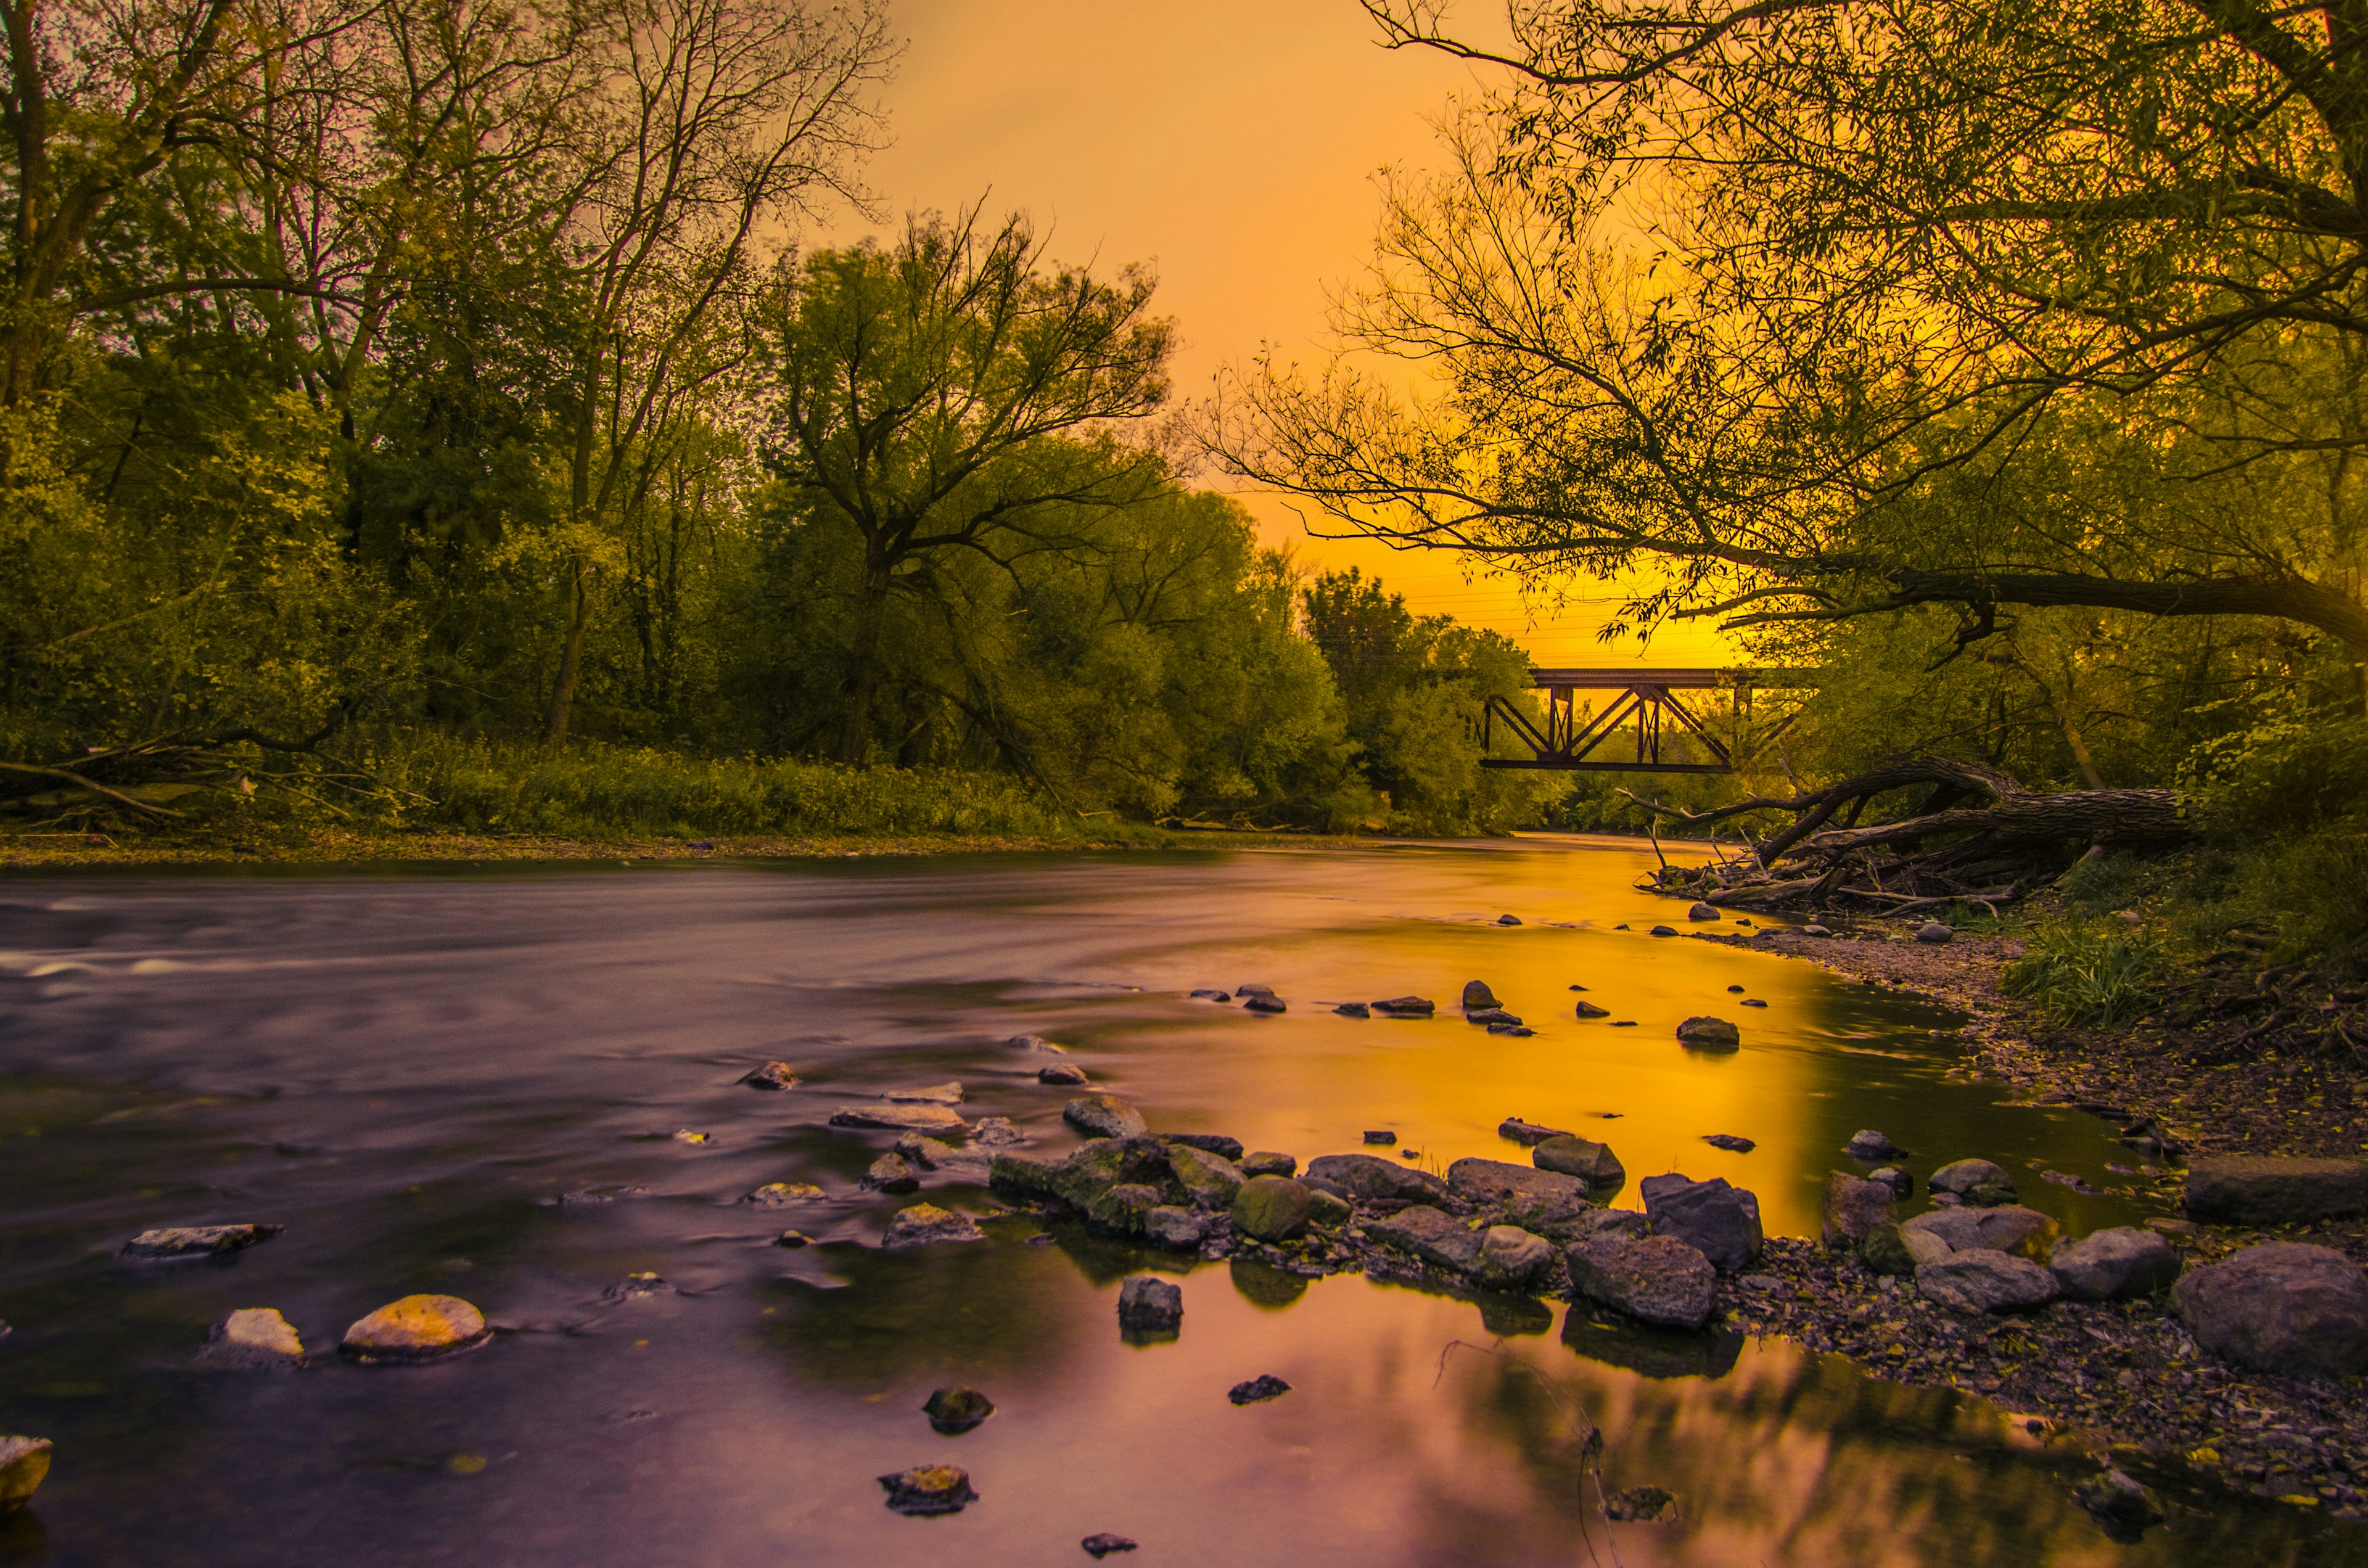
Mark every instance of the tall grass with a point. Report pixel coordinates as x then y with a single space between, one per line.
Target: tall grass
2087 976
594 790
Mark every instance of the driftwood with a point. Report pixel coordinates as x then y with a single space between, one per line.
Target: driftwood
1978 836
137 782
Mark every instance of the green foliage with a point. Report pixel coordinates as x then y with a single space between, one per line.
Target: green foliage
2088 975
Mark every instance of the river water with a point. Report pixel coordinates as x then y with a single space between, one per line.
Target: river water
408 1070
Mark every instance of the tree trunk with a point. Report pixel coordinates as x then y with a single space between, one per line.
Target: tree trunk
571 655
863 673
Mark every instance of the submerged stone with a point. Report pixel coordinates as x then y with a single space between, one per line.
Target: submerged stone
1104 1115
195 1240
952 1410
930 1489
1265 1386
1061 1074
255 1337
899 1118
1405 1007
416 1329
926 1224
773 1075
1706 1033
24 1464
775 1194
1100 1546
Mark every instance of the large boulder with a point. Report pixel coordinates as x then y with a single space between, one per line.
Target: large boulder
1104 1115
2282 1307
1981 1280
2026 1232
1524 1194
1719 1222
1572 1155
1147 1302
1512 1258
1430 1235
2112 1265
2262 1189
1854 1207
1476 995
1210 1179
1371 1176
1088 1173
1657 1280
1273 1209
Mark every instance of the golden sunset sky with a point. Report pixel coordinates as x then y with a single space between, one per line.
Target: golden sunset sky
1231 144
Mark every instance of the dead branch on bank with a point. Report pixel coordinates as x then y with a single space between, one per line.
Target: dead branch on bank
137 782
1978 836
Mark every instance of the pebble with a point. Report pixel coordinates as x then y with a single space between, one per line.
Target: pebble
1753 1002
1100 1546
1729 1142
1262 1386
255 1337
1381 1137
930 1489
954 1410
416 1329
773 1075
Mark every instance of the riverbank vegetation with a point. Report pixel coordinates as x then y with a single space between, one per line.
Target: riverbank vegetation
424 414
1996 370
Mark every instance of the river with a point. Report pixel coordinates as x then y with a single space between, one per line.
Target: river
409 1068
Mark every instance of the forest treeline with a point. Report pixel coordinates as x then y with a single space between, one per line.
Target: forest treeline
404 402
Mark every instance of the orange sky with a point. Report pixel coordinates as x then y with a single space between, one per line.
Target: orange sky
1230 143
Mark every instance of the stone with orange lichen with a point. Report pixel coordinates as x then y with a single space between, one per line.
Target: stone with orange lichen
416 1328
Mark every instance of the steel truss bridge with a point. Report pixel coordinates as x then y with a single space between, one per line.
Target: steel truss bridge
1648 706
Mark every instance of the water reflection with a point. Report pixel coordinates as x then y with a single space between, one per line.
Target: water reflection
409 1071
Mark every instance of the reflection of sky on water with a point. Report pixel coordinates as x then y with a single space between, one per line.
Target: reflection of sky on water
406 1069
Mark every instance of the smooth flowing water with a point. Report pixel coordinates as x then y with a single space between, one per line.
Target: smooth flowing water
409 1070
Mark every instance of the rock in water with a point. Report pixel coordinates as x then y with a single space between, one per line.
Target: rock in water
1870 1145
933 1094
2282 1307
2113 1265
954 1410
1405 1007
1527 1134
773 1075
1263 1387
2123 1507
892 1173
1100 1546
2025 1233
1144 1302
1730 1143
195 1240
1366 1176
1430 1235
1508 920
1104 1115
1588 1009
1591 1161
1327 1209
775 1194
1963 1177
1207 994
1489 1016
2260 1189
926 1224
1266 1162
1522 1194
1266 1003
1719 1220
1638 1504
1933 934
255 1337
1657 1280
1892 1177
1854 1207
1662 931
1384 1137
1253 990
1062 1073
1273 1208
1038 1042
901 1118
998 1132
1710 1034
930 1489
24 1464
1179 1229
1512 1258
1476 995
1354 1010
1702 911
1985 1282
416 1328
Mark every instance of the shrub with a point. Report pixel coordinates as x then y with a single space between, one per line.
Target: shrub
2084 975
